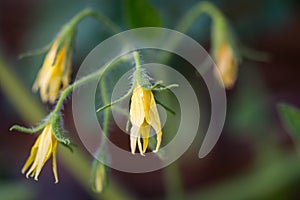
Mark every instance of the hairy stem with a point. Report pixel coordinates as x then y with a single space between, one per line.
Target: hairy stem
70 88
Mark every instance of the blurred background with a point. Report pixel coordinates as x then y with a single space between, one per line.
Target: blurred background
255 157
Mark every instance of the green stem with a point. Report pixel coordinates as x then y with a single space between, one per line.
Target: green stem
195 12
70 88
106 22
189 18
174 182
90 13
116 101
82 81
137 60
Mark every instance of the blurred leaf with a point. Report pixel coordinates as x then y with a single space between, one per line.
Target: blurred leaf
139 13
16 190
261 182
249 109
290 117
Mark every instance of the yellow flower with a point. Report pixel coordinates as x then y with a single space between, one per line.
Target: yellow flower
54 75
143 114
45 145
227 63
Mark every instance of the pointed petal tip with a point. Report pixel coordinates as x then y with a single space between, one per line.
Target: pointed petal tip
142 154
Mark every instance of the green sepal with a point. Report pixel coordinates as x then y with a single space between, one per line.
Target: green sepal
290 117
56 123
70 146
162 88
116 101
35 52
141 78
28 130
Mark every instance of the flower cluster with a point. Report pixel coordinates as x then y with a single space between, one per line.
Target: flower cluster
53 84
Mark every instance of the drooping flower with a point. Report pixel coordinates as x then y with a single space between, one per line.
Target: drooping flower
224 49
227 64
143 115
44 147
54 75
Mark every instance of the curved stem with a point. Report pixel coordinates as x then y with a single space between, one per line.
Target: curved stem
101 18
106 22
69 89
195 12
189 19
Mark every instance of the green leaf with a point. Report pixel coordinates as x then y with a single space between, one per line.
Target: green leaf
290 117
139 13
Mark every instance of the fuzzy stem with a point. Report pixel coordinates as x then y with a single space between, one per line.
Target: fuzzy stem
70 88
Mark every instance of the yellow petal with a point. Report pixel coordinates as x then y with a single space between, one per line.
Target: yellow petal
158 141
140 146
137 113
100 177
44 150
134 132
145 132
154 121
152 116
54 89
227 64
44 147
54 165
32 156
54 74
66 74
